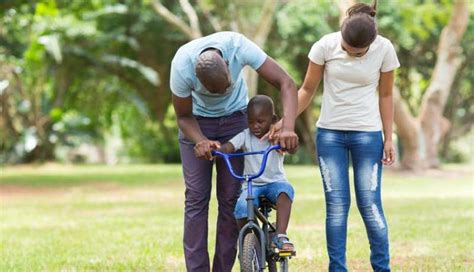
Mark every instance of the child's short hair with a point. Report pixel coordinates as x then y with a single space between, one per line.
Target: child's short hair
261 101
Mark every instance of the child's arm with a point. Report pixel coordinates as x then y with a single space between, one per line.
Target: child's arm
227 148
233 144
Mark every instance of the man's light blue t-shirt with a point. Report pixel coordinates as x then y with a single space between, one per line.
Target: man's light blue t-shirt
237 50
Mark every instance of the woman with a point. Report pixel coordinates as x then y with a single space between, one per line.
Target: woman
354 63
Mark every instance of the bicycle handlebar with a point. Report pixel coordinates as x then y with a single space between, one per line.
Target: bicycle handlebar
227 156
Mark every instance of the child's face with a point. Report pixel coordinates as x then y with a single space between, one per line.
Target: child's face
260 121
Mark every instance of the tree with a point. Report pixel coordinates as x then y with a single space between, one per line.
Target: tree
73 70
34 88
83 57
422 136
240 20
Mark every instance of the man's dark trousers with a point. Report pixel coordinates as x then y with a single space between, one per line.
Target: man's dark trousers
198 181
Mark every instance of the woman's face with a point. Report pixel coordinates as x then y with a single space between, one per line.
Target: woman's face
354 51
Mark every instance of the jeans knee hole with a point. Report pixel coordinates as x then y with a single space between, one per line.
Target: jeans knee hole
326 174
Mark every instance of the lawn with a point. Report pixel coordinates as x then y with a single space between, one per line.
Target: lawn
129 218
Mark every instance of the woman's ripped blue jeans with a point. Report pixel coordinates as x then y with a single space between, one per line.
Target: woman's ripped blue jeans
366 151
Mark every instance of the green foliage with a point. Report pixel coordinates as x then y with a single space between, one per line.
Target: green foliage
88 59
103 58
145 140
300 24
414 29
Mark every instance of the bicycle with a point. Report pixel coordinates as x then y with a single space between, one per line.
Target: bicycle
252 237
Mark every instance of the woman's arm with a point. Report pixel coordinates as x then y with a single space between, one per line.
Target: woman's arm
386 112
313 77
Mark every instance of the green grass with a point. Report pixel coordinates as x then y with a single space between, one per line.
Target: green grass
129 218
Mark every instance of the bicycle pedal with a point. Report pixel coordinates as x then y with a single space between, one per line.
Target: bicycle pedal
282 253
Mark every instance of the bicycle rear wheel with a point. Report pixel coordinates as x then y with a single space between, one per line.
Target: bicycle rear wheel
251 254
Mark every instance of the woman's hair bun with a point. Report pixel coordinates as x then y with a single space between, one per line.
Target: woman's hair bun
363 8
359 28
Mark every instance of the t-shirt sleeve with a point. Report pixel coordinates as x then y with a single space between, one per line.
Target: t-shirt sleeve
317 54
178 83
390 60
238 140
251 54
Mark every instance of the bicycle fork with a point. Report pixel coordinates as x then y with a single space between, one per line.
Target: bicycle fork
252 226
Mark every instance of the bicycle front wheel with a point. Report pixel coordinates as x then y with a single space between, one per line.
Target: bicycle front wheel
284 265
251 254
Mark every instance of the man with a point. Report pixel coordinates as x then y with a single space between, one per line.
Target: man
210 98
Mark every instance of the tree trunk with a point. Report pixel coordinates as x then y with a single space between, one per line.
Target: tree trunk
434 125
259 35
251 79
305 126
343 6
409 134
421 137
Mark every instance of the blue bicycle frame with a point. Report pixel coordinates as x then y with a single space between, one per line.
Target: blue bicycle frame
251 225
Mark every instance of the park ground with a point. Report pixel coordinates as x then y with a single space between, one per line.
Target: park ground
129 218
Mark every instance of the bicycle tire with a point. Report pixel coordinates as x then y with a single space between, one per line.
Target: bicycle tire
251 254
284 265
272 264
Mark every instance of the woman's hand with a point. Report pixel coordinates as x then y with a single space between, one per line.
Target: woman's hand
202 150
389 153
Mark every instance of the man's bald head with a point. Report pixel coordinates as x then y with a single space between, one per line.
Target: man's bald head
212 71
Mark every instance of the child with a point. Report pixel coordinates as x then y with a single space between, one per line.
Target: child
273 183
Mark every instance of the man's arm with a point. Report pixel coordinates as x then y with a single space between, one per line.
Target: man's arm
190 127
275 75
313 77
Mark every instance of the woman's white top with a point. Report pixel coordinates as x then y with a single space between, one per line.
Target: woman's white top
350 98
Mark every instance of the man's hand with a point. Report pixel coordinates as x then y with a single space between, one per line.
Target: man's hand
389 153
202 150
292 151
274 133
288 140
279 78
